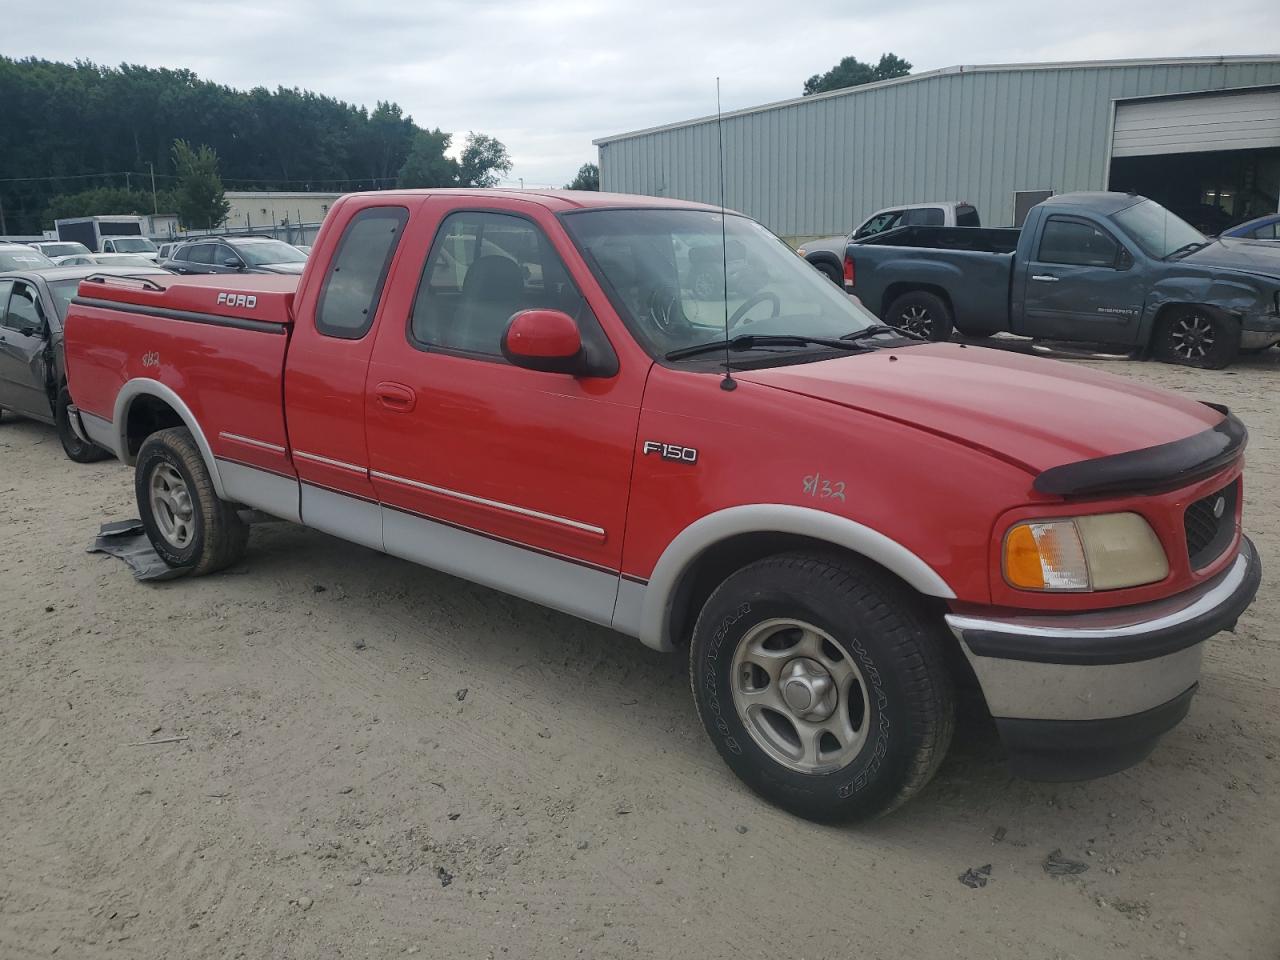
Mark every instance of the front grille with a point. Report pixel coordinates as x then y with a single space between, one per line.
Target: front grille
1210 523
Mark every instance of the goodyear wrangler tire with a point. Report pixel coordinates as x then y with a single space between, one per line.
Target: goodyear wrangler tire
189 527
822 686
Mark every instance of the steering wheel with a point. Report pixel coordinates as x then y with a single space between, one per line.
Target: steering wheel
750 302
663 308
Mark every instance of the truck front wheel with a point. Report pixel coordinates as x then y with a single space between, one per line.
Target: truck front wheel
821 686
1197 337
922 313
189 527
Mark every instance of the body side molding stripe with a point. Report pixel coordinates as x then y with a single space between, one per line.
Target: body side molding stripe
339 464
481 501
237 438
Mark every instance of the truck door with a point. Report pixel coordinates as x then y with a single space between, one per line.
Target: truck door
23 350
1079 284
507 476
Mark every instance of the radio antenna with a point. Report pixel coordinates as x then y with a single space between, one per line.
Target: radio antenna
728 383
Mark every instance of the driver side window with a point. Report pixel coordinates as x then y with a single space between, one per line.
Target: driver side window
483 268
1077 243
23 313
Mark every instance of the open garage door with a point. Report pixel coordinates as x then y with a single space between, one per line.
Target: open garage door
1212 158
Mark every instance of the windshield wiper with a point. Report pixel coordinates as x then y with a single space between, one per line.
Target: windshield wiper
878 328
1191 247
749 341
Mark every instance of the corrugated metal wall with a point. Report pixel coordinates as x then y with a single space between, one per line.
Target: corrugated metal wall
817 166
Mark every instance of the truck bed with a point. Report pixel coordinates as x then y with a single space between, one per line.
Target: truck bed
976 239
184 336
973 265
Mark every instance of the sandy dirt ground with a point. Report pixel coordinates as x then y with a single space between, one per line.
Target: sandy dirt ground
382 761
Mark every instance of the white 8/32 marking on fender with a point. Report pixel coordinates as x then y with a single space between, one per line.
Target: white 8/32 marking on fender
823 488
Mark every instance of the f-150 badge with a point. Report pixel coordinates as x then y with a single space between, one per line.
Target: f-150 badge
671 451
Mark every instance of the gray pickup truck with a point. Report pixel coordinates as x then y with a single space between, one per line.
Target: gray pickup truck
1099 268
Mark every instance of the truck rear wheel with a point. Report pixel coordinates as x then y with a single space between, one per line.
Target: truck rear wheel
922 313
189 527
821 686
75 448
830 271
1197 337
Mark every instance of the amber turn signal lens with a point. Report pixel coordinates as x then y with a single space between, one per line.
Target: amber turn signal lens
1022 559
1045 555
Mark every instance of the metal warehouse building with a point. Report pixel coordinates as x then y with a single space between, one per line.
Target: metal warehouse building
1201 135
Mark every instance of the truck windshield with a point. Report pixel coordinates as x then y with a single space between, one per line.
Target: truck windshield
1157 231
133 245
261 252
667 272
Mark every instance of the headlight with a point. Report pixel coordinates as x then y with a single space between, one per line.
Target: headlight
1105 551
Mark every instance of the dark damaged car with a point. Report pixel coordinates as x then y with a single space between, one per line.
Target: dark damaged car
33 379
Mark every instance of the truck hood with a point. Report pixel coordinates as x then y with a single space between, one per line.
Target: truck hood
1258 257
1029 411
834 245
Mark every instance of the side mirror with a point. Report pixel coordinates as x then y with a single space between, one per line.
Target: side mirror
231 262
546 340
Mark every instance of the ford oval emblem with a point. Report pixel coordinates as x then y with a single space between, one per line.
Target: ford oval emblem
1219 508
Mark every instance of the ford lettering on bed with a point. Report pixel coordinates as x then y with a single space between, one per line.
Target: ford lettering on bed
839 525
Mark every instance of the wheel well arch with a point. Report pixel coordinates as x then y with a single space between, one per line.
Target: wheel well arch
827 258
895 290
144 406
715 564
711 548
1164 311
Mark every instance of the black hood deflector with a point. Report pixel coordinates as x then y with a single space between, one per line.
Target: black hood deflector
1153 468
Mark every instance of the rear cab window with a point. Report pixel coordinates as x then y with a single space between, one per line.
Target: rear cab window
967 216
353 284
925 217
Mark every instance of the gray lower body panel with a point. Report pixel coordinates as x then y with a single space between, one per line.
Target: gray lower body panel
260 489
569 587
347 517
99 431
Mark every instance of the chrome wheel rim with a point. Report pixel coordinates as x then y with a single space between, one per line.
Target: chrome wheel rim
171 506
800 696
1193 337
917 320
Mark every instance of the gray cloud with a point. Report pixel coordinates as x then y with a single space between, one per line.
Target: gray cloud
548 76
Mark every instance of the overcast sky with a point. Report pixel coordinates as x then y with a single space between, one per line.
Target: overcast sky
548 77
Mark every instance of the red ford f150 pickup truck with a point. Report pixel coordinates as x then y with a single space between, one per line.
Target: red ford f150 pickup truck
841 524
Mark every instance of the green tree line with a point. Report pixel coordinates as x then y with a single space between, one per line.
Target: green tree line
79 127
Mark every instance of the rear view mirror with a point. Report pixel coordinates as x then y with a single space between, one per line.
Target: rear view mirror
546 340
231 262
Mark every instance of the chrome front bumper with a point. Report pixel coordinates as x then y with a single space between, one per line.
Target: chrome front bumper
1076 693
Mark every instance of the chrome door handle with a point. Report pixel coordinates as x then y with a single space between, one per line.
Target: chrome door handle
1046 277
